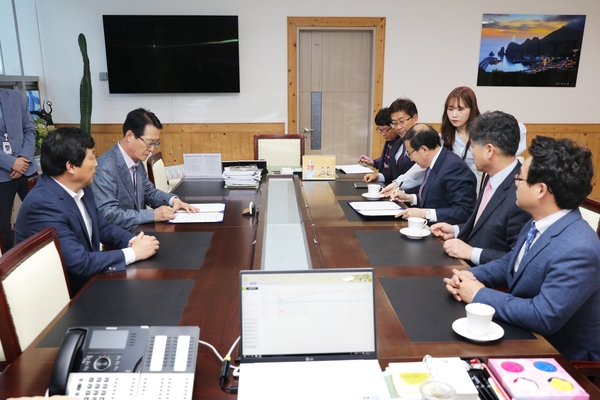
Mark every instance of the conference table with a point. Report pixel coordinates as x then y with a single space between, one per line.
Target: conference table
193 280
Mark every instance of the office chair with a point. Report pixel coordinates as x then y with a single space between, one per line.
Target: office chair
157 172
279 150
32 181
33 289
590 211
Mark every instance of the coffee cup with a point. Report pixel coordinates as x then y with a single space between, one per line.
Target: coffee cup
373 189
416 225
479 318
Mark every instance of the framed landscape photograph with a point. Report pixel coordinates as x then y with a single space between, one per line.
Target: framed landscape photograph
530 50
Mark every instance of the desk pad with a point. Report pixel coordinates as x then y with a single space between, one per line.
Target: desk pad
427 311
353 216
125 303
346 188
390 248
178 250
201 188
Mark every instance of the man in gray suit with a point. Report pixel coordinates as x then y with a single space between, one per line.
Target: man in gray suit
494 226
17 165
121 186
552 271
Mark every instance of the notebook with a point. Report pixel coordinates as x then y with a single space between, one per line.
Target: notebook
303 330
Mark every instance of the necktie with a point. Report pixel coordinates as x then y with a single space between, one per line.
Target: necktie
423 185
134 170
487 194
386 158
530 236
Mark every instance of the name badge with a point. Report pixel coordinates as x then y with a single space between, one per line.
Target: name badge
6 147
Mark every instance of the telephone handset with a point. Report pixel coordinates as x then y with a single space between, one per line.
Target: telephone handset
126 362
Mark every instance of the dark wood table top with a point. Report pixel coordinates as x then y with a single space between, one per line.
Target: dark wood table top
213 303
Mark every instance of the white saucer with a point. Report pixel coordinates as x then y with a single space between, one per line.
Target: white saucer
460 326
408 234
371 197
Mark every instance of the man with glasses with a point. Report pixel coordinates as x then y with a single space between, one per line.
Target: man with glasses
393 160
404 116
552 273
121 186
447 193
62 199
494 226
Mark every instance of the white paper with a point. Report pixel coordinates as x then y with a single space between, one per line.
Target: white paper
375 208
209 212
202 165
302 380
197 217
354 169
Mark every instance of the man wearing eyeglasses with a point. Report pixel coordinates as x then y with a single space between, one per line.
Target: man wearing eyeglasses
494 226
447 193
552 273
121 187
393 161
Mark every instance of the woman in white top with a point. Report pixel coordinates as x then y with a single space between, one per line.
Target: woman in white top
460 109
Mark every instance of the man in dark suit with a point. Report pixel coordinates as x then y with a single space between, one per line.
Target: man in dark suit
494 226
17 164
552 273
393 123
122 188
62 199
447 193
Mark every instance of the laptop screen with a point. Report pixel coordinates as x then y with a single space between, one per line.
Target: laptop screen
310 315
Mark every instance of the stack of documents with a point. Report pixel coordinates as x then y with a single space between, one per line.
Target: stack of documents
242 176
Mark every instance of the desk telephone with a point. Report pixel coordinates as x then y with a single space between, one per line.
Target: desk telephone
126 362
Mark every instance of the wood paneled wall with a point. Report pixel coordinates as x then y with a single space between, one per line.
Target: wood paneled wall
233 141
236 141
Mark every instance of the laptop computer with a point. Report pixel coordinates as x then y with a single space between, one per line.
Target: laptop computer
309 334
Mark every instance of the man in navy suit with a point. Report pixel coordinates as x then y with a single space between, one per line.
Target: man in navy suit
553 271
447 193
494 226
62 199
393 123
17 165
122 188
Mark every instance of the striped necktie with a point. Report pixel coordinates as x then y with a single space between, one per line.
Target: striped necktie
423 185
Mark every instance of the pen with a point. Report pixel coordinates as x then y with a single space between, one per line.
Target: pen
396 191
486 393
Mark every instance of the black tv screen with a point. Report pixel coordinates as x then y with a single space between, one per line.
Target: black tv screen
172 53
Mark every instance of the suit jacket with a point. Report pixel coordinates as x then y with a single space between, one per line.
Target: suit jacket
555 291
396 168
498 227
48 204
449 189
116 197
21 133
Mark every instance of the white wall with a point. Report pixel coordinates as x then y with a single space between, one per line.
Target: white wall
432 46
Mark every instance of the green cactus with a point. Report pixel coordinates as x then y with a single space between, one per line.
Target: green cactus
85 88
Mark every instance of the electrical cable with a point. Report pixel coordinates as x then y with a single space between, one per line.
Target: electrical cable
226 365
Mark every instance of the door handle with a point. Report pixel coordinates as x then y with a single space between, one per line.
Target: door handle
306 130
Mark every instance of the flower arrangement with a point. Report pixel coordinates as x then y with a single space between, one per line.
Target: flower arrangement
41 130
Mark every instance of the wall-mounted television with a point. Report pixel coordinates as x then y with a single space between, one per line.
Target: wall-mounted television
172 53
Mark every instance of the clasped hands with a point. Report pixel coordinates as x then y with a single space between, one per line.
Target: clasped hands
19 167
454 247
463 285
